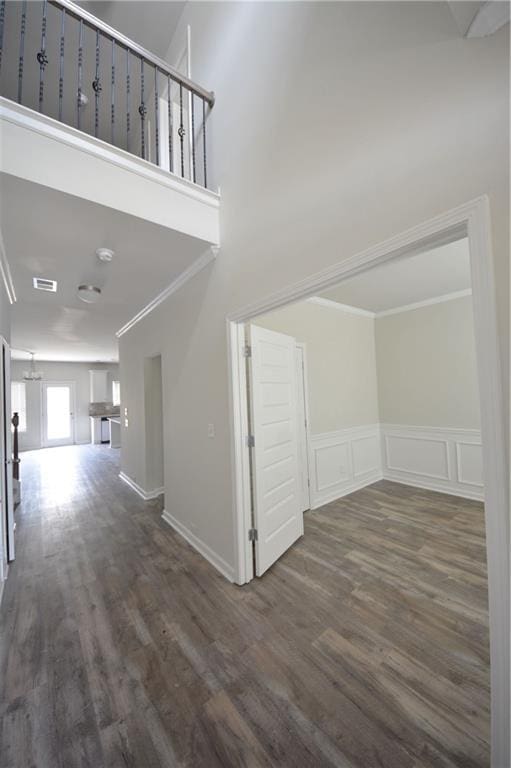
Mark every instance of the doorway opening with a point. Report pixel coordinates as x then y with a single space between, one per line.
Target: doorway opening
470 221
153 401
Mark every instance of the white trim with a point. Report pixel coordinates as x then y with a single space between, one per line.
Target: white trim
426 303
174 286
216 561
145 495
46 126
472 219
331 304
6 272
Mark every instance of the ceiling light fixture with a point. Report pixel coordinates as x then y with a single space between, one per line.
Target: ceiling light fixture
105 255
89 293
32 374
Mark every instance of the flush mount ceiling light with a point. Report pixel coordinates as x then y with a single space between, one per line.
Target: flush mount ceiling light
89 293
105 255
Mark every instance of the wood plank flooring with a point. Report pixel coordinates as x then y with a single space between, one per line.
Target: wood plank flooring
366 645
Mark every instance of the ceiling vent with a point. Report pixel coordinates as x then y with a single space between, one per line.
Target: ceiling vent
43 284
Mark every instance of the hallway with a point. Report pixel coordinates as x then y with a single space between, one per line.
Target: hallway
365 645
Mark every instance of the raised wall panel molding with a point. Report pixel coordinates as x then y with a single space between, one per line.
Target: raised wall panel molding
218 562
439 459
146 495
343 461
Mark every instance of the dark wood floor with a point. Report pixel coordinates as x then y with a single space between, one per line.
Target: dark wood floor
366 645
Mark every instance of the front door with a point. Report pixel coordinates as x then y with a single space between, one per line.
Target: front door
58 413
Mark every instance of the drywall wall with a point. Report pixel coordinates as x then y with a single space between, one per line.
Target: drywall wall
336 126
427 371
341 363
153 423
58 371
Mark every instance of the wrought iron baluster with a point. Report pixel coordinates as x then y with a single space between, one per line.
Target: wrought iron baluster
194 175
204 142
96 86
42 58
2 23
22 48
80 76
142 108
156 116
181 131
128 117
61 62
171 126
112 106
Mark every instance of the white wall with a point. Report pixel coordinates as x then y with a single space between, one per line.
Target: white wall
57 371
153 423
341 363
427 370
336 126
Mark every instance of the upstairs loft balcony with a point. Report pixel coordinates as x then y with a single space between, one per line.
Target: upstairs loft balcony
69 79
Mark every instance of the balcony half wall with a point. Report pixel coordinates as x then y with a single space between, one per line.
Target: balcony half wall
44 151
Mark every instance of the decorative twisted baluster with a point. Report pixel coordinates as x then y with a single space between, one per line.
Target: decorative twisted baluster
2 24
194 175
22 48
181 131
142 108
204 142
171 126
112 93
128 99
96 86
80 76
61 61
156 116
42 58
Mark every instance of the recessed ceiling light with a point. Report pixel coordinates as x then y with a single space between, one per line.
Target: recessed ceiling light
43 284
105 255
89 293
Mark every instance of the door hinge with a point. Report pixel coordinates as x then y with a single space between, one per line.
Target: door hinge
251 441
252 534
247 350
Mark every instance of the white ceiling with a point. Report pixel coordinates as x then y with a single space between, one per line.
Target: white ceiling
427 275
50 234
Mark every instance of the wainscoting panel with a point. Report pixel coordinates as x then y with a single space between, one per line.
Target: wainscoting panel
440 459
343 462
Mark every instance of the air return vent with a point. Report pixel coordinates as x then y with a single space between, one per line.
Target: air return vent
43 284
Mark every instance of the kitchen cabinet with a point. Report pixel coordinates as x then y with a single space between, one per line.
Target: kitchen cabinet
99 387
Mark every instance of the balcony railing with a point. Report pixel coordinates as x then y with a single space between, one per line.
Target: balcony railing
62 61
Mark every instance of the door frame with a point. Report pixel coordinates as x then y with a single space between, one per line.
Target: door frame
7 554
472 220
305 383
50 383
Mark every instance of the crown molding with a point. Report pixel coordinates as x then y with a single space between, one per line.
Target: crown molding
194 268
331 304
426 302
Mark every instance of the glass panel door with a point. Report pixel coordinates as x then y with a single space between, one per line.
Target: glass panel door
58 414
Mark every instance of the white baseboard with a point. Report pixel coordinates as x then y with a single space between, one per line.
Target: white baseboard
218 562
146 495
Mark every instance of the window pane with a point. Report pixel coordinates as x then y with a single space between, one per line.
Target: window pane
19 403
58 407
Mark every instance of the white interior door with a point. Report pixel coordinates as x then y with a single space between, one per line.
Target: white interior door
303 443
58 413
278 517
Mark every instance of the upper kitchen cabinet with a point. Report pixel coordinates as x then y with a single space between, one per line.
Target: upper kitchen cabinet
99 387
